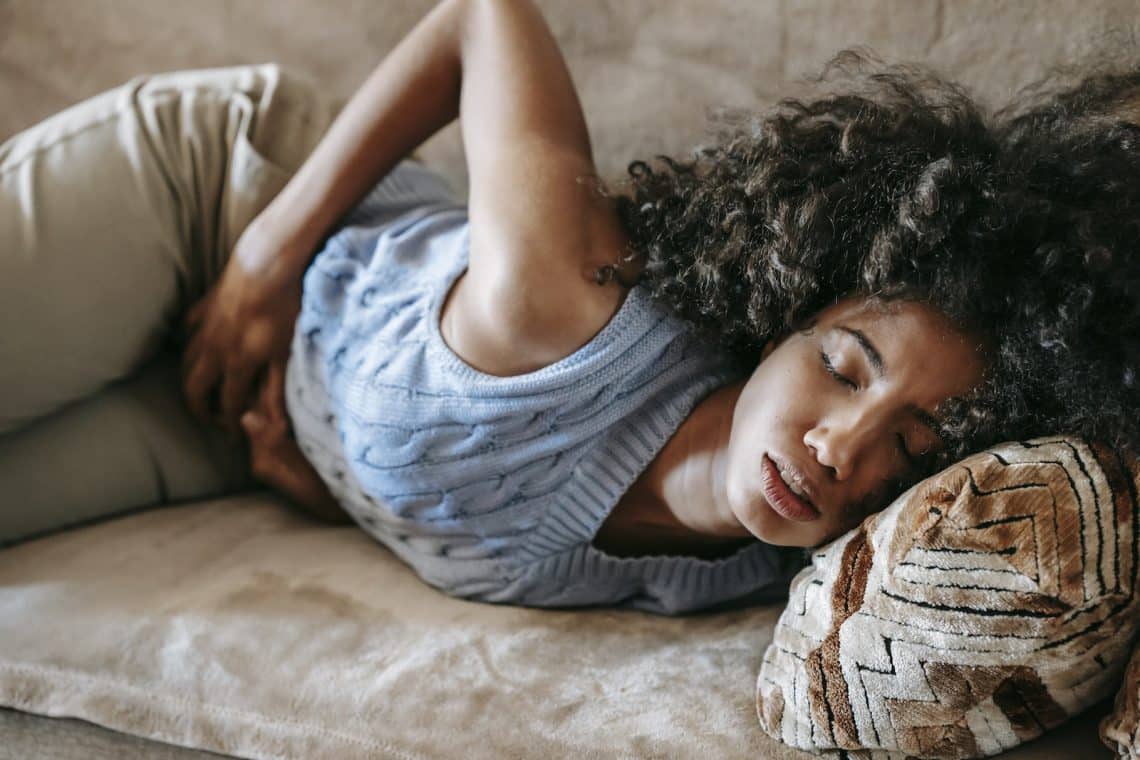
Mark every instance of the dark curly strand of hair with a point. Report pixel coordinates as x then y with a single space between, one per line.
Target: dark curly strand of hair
893 184
1069 213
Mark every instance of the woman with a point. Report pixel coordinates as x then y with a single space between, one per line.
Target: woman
489 393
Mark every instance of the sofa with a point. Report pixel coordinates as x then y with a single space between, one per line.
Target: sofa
240 574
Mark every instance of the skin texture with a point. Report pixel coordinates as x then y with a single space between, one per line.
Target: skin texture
842 435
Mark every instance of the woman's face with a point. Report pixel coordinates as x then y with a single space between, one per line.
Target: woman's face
836 412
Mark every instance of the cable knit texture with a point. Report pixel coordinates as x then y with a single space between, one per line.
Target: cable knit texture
490 487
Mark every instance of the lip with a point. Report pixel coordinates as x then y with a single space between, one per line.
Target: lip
781 498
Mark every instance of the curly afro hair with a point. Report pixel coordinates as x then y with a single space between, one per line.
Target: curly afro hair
891 182
1068 211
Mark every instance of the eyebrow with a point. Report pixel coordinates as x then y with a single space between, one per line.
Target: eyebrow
873 355
880 367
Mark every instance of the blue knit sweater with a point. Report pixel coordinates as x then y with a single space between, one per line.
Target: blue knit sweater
492 488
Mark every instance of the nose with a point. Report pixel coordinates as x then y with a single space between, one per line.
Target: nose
840 440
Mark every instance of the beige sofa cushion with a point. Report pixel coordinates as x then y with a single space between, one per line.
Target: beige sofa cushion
987 605
241 627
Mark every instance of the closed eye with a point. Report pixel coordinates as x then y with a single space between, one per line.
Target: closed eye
831 371
910 460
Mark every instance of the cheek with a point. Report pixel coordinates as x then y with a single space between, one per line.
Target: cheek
736 480
770 425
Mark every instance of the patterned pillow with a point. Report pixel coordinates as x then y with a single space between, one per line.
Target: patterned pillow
986 605
1121 730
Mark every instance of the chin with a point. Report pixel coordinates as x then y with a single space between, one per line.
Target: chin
764 523
759 520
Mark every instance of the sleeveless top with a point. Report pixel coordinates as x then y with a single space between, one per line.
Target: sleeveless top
492 488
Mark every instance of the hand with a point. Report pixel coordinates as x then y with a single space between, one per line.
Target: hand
244 322
275 459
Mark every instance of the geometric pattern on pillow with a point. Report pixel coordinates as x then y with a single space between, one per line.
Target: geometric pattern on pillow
987 604
1120 730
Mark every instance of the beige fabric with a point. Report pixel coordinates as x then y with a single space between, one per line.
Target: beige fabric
138 624
116 214
241 627
987 605
1121 729
646 70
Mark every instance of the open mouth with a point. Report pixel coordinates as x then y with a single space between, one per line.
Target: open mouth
782 498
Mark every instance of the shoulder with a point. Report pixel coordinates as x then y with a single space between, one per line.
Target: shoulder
516 323
527 301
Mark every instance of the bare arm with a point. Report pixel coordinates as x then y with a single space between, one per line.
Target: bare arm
495 64
411 95
246 318
537 231
538 226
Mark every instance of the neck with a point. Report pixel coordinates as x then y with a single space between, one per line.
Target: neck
687 478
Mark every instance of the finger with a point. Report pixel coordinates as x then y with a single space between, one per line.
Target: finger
196 348
190 355
235 394
266 433
194 314
274 391
252 423
285 476
196 387
267 462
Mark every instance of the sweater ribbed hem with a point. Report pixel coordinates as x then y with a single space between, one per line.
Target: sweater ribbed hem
665 584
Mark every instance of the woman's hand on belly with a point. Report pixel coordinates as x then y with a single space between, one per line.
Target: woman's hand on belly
243 322
275 459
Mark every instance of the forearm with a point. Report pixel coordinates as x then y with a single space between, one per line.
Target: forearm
411 95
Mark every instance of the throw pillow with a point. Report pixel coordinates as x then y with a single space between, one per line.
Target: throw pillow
986 605
1121 729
